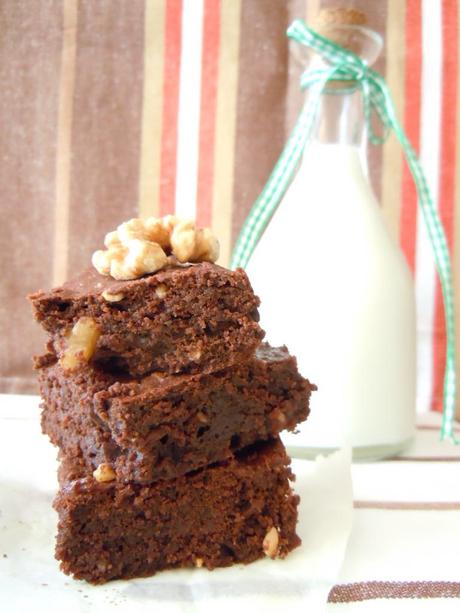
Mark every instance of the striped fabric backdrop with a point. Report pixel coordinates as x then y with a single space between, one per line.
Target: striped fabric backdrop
119 108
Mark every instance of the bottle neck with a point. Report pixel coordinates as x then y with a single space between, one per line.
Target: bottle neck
340 119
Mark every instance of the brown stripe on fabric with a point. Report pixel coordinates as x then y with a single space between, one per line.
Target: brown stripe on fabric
406 506
64 140
31 42
426 458
456 247
107 120
433 428
260 133
392 162
371 590
152 107
224 150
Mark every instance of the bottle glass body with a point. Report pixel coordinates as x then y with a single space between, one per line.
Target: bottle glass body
344 301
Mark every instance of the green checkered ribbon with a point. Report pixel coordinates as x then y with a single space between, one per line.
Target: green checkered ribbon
343 65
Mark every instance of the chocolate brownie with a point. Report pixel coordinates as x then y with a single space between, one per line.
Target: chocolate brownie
236 511
185 318
162 427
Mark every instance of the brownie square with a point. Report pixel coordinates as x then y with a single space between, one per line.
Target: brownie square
185 318
236 511
161 427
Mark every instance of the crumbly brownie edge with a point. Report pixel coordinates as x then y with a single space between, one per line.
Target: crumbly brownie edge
62 306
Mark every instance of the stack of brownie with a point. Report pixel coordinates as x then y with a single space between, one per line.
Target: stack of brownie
166 409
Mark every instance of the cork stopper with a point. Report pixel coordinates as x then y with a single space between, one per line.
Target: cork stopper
348 28
333 23
339 16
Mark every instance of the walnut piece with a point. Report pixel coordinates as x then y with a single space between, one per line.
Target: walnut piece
271 542
161 290
195 355
143 246
206 246
104 473
183 240
81 343
112 297
101 261
202 417
278 416
199 562
112 240
139 257
192 245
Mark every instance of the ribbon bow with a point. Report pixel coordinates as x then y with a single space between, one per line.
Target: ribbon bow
347 66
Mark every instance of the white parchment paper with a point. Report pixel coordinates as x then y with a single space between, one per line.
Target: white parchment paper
30 579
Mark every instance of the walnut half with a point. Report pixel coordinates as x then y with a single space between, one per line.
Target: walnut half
142 246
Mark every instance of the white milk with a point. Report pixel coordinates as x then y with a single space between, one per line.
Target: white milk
337 291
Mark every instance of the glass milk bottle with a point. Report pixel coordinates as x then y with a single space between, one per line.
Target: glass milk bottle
336 289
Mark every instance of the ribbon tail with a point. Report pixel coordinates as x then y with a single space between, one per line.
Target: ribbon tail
442 260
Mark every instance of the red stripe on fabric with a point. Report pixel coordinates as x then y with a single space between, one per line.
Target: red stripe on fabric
412 87
447 181
209 74
171 72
